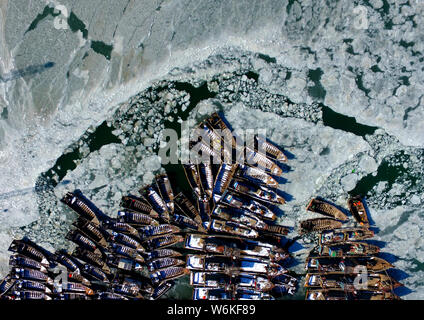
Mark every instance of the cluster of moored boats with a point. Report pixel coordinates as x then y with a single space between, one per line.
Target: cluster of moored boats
227 224
244 258
343 266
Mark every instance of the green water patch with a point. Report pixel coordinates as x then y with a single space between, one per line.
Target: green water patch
317 91
102 48
48 11
339 121
77 25
375 69
101 136
252 75
387 171
419 266
360 84
4 114
267 58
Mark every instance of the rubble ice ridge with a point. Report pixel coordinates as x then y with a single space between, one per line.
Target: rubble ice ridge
238 78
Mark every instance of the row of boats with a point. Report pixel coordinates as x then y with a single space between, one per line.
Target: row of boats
336 216
230 267
343 266
223 236
122 258
241 256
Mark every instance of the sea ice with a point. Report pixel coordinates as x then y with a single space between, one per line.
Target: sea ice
369 70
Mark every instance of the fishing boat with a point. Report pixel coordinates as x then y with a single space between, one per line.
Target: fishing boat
80 206
92 229
143 283
245 294
139 205
246 203
129 290
233 214
214 129
30 274
261 161
211 294
232 264
136 218
162 263
203 151
162 253
193 178
163 241
226 294
326 209
18 260
186 208
206 178
341 294
77 277
210 137
345 249
344 235
269 149
235 281
30 295
32 285
122 263
341 280
6 284
151 194
232 228
26 249
162 229
247 219
256 175
346 265
74 287
94 273
165 190
253 282
217 123
229 246
357 208
126 240
223 179
167 274
257 192
91 258
82 240
128 252
186 222
204 209
161 289
109 296
319 224
122 227
210 280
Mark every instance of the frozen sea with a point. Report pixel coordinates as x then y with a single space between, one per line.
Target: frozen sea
87 87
